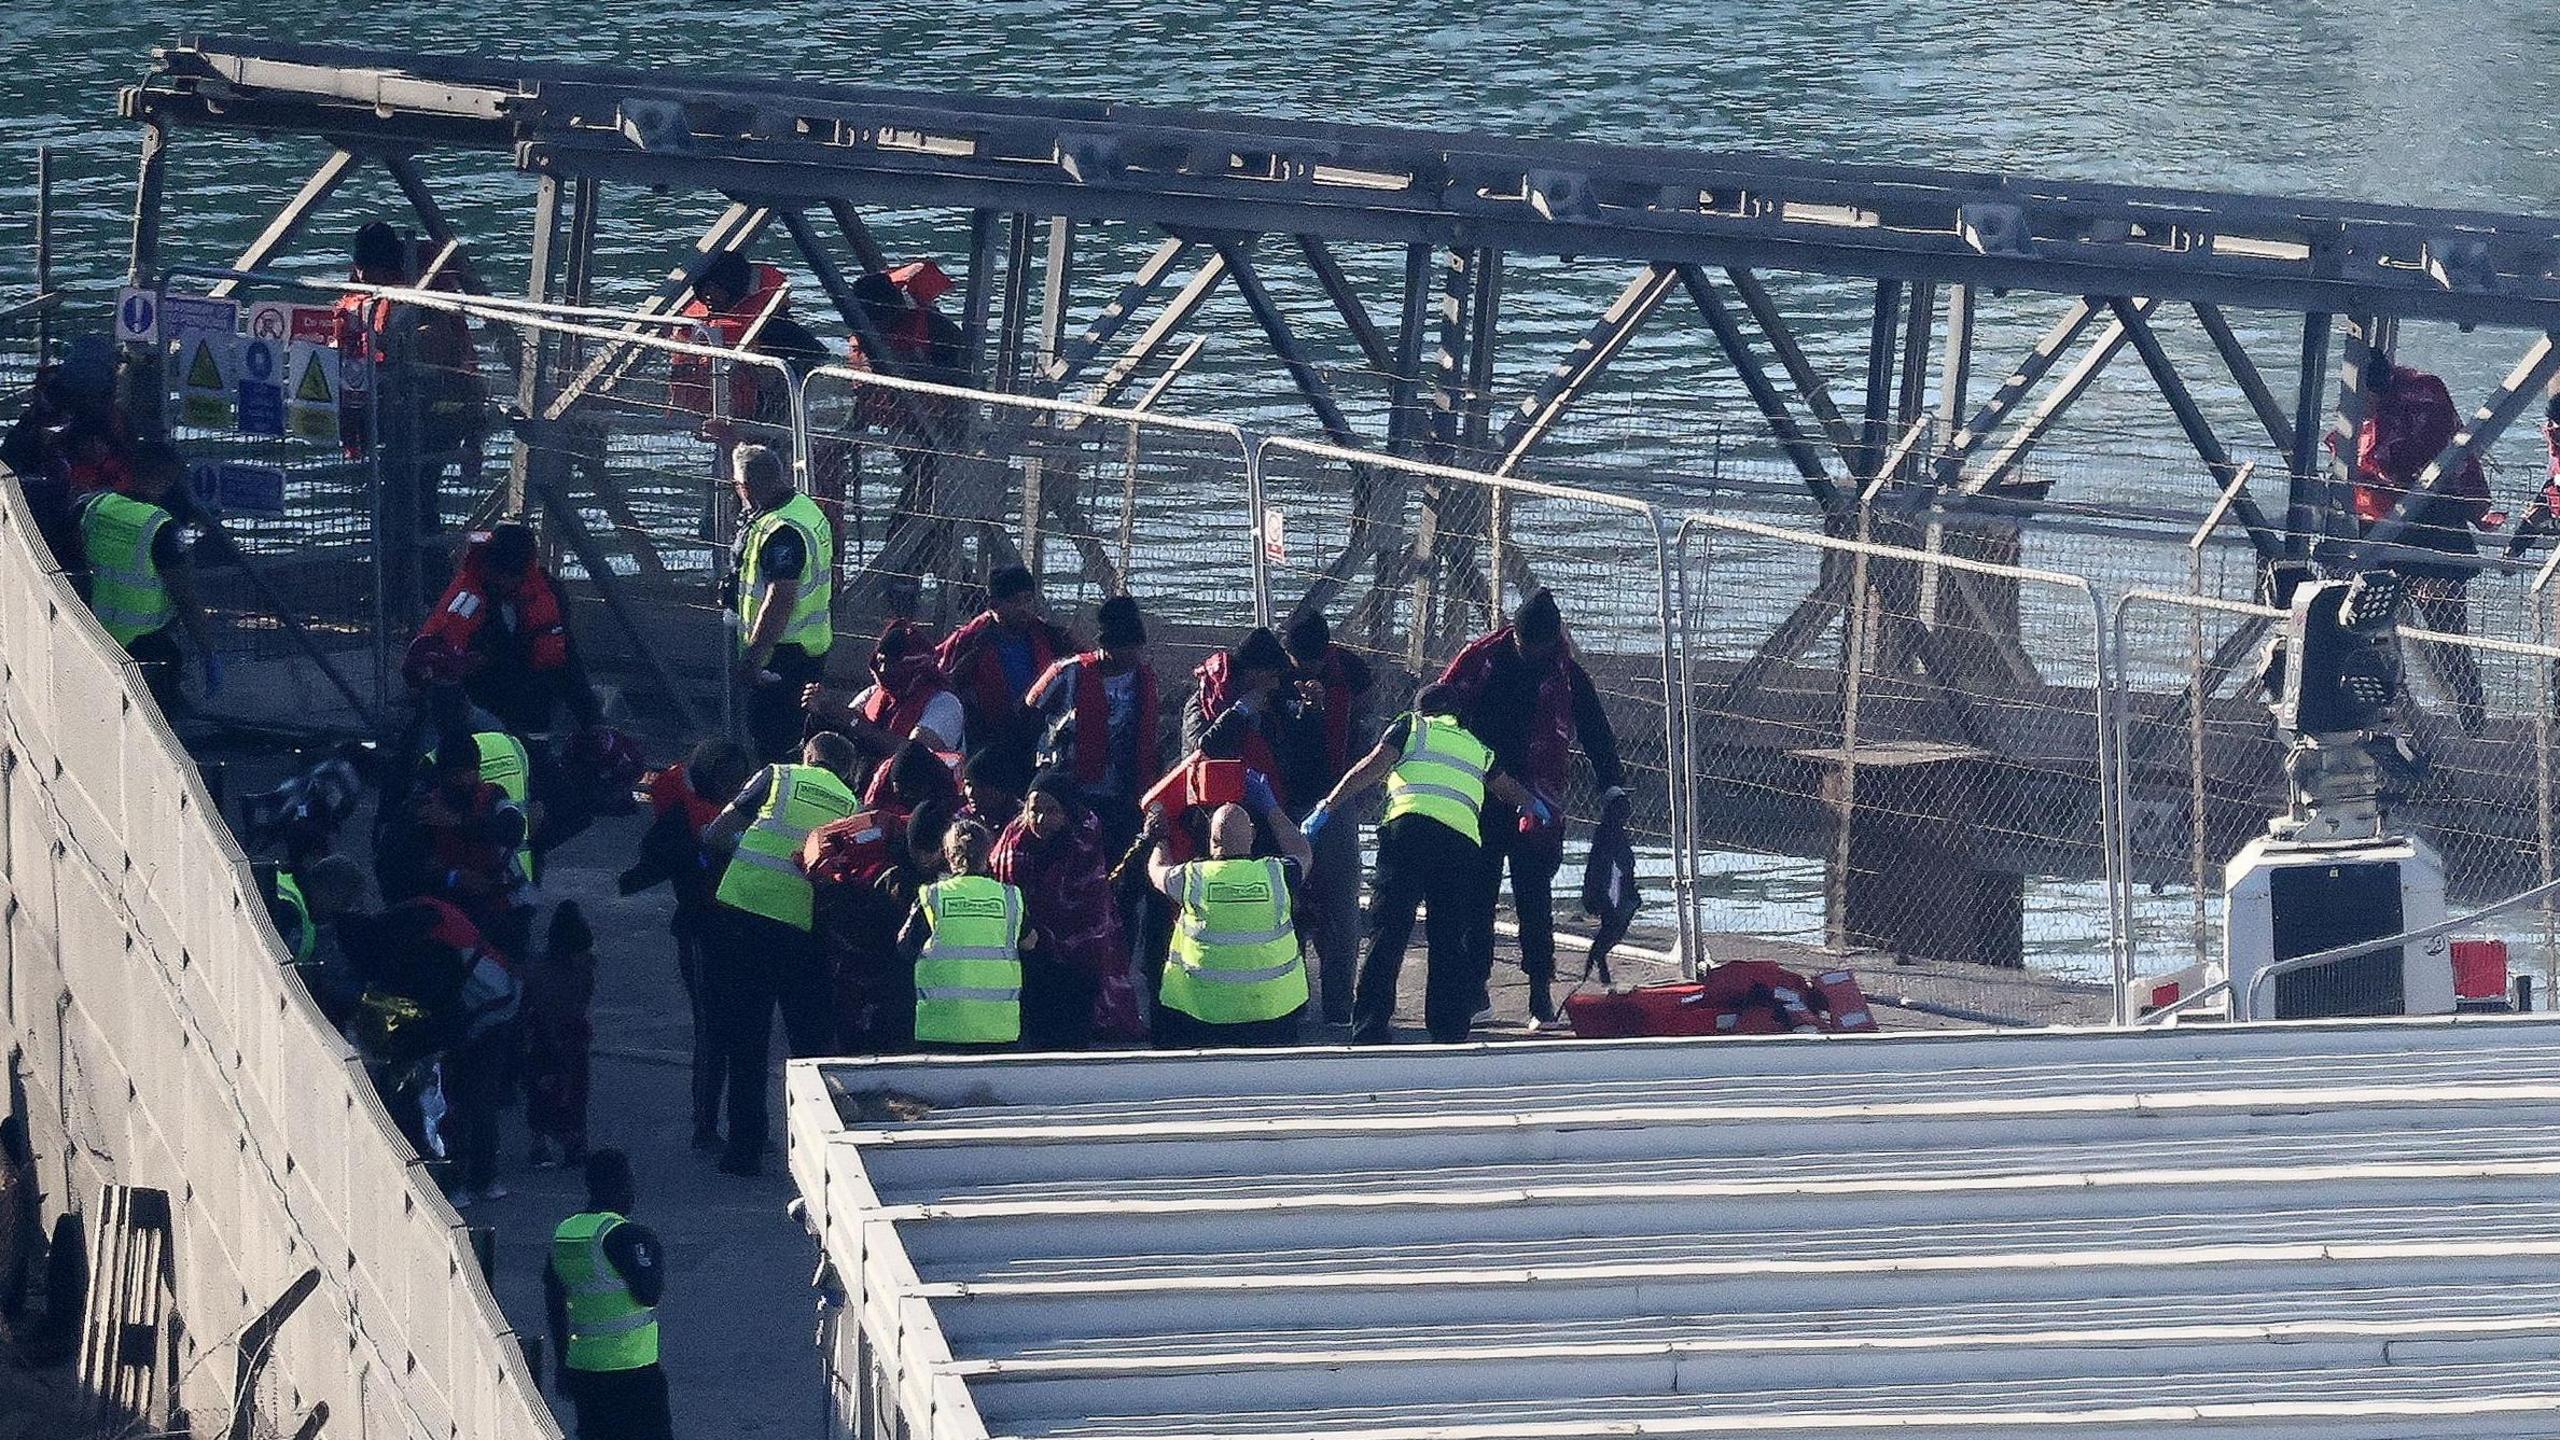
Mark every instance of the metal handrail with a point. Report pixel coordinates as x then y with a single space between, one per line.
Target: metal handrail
2352 949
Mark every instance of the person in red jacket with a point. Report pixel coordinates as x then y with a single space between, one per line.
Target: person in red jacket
909 698
1522 693
995 658
2409 420
1333 685
1102 712
503 626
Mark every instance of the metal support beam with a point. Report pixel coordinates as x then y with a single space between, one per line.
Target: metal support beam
431 217
1955 378
1080 352
735 229
2303 486
1808 382
288 222
1919 326
2030 373
2074 383
1608 336
1346 303
1275 328
1765 395
1483 330
1407 418
532 373
145 391
2136 325
1876 422
2244 373
1056 284
571 526
1016 319
1177 312
978 290
2363 338
1457 288
586 210
858 235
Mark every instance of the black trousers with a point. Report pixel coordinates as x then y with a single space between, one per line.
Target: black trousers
1177 1031
1534 860
774 719
477 1081
1421 863
755 965
709 1066
620 1404
156 656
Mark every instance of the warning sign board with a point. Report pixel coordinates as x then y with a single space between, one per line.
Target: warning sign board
311 392
227 488
278 320
261 371
208 371
137 315
1275 535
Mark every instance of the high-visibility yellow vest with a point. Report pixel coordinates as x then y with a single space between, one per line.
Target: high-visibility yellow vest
503 763
764 877
126 590
969 976
1235 957
812 626
303 939
1441 775
608 1329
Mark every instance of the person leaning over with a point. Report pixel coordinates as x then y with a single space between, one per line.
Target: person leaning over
1437 774
784 582
139 583
1235 975
600 1295
762 950
968 935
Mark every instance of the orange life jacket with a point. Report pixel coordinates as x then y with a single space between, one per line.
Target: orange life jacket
466 606
689 376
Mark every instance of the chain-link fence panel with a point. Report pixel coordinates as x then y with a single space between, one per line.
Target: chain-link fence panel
28 330
940 486
1894 751
2200 769
265 402
1410 563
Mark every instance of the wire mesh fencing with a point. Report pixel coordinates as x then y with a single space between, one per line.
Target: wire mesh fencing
2201 769
27 331
1410 563
1895 749
941 486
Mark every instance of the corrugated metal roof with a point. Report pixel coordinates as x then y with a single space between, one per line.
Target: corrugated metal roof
2347 1230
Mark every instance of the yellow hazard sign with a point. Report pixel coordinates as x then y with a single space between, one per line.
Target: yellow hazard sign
311 392
205 373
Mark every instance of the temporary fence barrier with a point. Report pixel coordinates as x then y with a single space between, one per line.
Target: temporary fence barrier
160 1040
2200 769
27 331
1912 732
1411 561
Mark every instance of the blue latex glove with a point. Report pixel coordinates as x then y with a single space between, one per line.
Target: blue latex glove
1540 811
1315 822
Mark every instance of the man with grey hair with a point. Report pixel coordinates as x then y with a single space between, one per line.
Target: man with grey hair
782 591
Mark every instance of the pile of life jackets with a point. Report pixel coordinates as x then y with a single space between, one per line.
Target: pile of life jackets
1739 997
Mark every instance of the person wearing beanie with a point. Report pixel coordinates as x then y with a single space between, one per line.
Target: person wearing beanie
1521 691
1100 714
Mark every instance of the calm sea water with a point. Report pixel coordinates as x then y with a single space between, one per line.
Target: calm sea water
2423 103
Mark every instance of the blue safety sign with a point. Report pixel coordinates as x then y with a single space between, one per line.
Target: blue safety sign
237 489
199 312
137 316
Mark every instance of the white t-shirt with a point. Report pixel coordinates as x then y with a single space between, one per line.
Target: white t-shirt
942 715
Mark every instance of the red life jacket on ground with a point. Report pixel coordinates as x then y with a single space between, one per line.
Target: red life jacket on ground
968 659
1092 755
466 606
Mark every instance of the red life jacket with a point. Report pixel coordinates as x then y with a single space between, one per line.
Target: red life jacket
2404 430
450 928
902 688
1551 726
466 606
689 376
856 850
1216 676
1335 675
968 658
1092 759
670 789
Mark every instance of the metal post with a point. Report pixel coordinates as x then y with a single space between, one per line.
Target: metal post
1877 421
1056 280
44 251
532 390
2338 517
2306 491
145 396
1481 335
977 298
1017 302
1956 380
